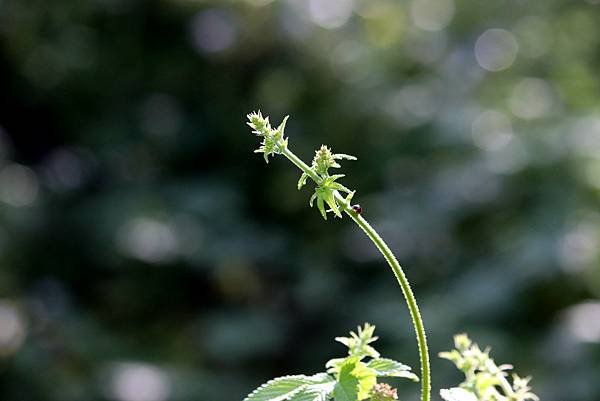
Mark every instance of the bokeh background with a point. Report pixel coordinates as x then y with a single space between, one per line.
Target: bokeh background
146 254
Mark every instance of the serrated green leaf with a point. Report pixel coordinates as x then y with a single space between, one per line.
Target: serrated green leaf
346 389
281 388
316 392
355 381
389 368
457 394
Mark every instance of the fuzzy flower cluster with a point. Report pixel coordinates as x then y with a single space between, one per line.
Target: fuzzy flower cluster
273 141
484 380
328 189
384 392
324 160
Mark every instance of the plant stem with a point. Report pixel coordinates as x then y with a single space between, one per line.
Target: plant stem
398 272
408 295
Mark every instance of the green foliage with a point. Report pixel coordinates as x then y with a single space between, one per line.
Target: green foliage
354 381
347 379
294 388
484 380
389 368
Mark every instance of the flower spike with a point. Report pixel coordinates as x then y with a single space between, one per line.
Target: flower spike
273 140
327 190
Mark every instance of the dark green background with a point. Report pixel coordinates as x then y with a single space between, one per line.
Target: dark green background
147 254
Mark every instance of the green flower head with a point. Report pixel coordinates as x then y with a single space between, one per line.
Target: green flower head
273 141
324 160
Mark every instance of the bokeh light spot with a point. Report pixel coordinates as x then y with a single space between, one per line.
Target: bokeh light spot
147 239
496 49
350 62
416 103
12 328
213 31
330 14
139 382
432 15
63 170
531 98
385 24
259 3
18 185
508 159
583 321
579 247
585 136
491 130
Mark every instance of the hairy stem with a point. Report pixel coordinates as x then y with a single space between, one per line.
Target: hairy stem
398 272
408 295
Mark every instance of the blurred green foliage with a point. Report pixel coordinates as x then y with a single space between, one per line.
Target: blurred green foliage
147 255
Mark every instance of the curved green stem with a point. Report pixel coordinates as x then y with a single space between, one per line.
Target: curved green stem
398 272
408 295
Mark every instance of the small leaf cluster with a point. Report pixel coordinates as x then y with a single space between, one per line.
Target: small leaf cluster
484 380
327 188
273 141
353 378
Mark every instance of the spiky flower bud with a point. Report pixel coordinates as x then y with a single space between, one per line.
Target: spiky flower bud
323 161
273 141
384 392
259 124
